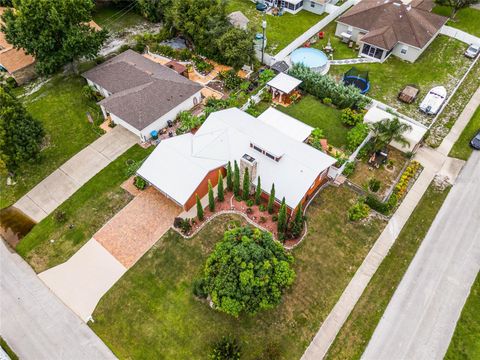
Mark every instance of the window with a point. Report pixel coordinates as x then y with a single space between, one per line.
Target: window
299 5
257 148
312 4
404 50
291 6
270 156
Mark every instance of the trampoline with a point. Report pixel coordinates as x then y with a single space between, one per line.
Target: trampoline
357 78
312 58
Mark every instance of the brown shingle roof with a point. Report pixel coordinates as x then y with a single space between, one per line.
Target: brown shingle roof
390 21
143 90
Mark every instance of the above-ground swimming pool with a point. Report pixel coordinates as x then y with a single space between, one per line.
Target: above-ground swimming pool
313 58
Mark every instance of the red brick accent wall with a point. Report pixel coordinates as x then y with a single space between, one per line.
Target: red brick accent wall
202 188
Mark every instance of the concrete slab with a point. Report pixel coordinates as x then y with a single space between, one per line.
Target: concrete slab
114 143
81 281
27 206
451 169
87 162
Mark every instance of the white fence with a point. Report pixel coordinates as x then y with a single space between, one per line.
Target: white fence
459 35
310 33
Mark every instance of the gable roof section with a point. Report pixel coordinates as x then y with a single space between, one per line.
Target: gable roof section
284 82
286 124
226 136
390 21
143 90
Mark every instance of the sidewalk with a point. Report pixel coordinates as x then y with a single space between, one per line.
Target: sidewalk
434 162
52 191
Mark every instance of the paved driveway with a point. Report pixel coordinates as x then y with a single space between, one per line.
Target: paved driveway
39 202
35 323
422 314
81 281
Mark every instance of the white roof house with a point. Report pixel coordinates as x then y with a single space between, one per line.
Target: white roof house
413 136
286 124
284 83
178 165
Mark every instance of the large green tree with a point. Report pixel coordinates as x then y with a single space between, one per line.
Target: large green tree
387 130
456 5
20 134
247 272
55 32
155 10
235 47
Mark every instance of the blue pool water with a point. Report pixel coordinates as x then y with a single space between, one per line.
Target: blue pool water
310 57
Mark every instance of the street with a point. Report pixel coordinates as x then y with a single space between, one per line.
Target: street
35 323
422 314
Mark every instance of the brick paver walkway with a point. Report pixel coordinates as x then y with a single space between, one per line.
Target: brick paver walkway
139 225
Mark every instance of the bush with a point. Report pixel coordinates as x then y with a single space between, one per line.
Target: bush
202 66
99 59
60 217
199 288
327 101
358 211
351 117
249 210
231 79
183 224
356 135
274 217
349 168
384 208
250 202
139 183
226 349
262 207
262 220
374 185
236 289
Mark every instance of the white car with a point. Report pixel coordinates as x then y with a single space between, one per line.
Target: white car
473 51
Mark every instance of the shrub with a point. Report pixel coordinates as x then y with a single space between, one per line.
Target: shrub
231 79
282 218
315 137
226 349
250 202
99 59
265 76
358 211
60 217
262 220
374 185
220 191
356 135
258 192
271 199
408 174
274 217
199 208
183 224
262 207
377 205
199 288
246 185
349 168
139 183
327 101
351 117
211 197
249 210
238 289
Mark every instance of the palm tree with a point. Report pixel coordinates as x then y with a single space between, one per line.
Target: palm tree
387 130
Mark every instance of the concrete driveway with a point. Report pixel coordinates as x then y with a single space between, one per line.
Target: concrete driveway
422 314
81 281
44 198
35 323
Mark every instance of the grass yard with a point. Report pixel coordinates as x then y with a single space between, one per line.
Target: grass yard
87 210
117 18
442 63
467 19
454 108
151 312
7 349
462 149
360 325
465 343
341 50
61 107
281 30
313 112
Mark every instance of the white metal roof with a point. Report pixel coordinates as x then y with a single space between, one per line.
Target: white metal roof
284 83
413 136
178 165
286 124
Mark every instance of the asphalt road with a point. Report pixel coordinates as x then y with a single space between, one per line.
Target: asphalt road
422 314
35 323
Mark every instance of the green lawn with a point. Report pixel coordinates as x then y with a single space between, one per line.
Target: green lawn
87 210
313 112
462 149
467 19
150 313
62 109
341 50
281 30
7 349
358 329
117 18
465 342
442 63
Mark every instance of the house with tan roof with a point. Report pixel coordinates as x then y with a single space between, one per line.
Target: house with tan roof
15 62
142 95
404 28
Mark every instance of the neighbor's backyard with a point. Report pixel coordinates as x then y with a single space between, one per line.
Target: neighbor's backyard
152 313
467 19
281 30
442 63
62 109
116 18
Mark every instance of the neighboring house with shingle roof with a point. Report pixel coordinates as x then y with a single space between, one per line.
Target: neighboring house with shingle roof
391 27
140 94
15 62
